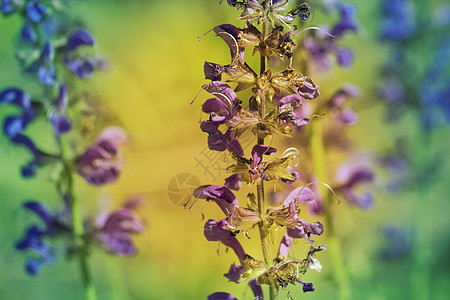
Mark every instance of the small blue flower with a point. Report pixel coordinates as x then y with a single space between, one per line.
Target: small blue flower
34 240
6 7
82 66
44 66
28 35
36 11
398 21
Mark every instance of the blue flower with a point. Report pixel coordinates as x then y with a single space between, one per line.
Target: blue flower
58 118
36 11
82 66
6 7
44 66
34 242
398 21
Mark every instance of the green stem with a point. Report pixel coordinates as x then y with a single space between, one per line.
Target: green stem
77 223
421 282
265 243
334 246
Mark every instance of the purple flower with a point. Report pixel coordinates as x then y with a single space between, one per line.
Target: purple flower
116 228
322 46
102 162
235 272
234 182
348 176
225 109
342 113
223 197
219 231
347 21
307 287
230 34
58 118
287 118
221 296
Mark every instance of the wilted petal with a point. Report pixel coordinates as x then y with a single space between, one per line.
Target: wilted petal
243 218
308 89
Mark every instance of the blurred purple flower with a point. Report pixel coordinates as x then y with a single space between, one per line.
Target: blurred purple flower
398 22
102 162
320 46
116 228
348 176
347 22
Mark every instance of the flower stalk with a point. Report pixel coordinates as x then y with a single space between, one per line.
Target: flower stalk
77 220
334 247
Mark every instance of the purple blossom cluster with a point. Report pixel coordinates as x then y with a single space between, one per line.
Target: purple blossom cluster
278 104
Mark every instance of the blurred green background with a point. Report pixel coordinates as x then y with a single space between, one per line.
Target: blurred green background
155 70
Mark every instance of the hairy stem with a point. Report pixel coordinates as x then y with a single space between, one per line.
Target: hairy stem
77 222
265 242
334 246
